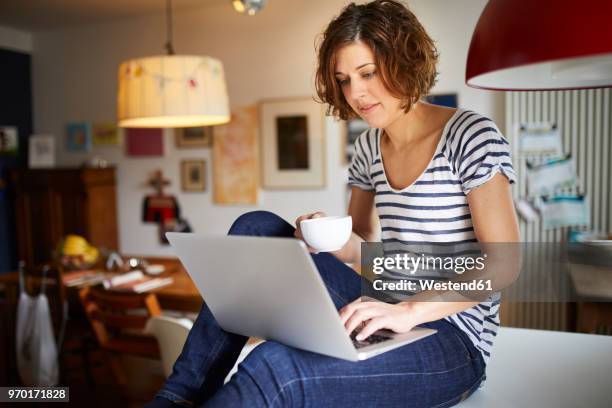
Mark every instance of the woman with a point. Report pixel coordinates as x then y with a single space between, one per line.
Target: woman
434 174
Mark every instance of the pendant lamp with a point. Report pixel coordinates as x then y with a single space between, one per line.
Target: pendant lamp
172 90
521 45
249 7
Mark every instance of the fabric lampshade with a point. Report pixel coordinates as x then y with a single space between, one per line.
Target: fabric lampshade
542 45
172 91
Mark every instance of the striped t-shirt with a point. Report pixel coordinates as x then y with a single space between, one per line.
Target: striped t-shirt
434 209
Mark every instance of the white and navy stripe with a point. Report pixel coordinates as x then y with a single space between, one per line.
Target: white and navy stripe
434 209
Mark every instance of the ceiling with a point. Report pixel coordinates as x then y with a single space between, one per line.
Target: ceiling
33 15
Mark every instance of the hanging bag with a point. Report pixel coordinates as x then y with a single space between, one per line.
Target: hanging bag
36 349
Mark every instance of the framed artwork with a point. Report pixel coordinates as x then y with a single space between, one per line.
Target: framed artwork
41 152
450 100
105 134
292 144
78 137
352 129
236 159
9 142
144 142
193 175
201 136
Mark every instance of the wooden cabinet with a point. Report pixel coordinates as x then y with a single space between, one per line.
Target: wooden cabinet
52 203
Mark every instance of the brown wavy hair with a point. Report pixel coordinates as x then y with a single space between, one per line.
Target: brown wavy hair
404 53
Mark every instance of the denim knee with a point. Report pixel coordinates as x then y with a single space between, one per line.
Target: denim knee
267 352
261 223
273 368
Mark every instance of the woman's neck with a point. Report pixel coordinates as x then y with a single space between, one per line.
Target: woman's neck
410 127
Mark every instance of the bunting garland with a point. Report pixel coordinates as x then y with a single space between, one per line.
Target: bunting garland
136 70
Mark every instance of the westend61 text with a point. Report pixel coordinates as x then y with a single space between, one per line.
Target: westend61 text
428 284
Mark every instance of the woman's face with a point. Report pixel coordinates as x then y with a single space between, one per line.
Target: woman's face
358 76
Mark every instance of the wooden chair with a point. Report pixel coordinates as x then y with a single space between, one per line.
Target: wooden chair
118 321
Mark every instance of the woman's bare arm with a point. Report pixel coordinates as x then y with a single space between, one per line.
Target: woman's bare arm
365 227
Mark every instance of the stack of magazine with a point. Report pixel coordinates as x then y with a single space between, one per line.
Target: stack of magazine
135 281
83 279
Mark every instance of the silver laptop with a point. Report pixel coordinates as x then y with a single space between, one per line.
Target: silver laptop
270 288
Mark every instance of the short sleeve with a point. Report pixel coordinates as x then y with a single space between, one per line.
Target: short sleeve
359 169
482 152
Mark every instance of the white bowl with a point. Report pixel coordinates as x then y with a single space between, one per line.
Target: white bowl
326 234
155 269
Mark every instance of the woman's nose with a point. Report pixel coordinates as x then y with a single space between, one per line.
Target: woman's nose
358 90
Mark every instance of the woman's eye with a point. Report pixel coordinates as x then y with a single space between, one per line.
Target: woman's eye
369 74
343 82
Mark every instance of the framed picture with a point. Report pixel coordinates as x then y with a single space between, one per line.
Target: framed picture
292 144
450 100
9 142
193 175
78 137
144 142
41 151
105 134
352 129
194 136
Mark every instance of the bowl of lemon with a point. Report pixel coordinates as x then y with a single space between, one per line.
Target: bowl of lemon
75 253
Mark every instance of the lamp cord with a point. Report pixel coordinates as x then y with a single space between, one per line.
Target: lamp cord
169 47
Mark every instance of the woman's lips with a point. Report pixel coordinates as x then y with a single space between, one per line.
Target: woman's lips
368 108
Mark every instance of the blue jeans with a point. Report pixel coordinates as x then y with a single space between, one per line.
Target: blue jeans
437 371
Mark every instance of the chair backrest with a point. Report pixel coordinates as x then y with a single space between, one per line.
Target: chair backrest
171 334
111 314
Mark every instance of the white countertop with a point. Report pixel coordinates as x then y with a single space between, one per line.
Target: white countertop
537 368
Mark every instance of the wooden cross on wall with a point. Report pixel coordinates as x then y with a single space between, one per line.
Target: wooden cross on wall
158 182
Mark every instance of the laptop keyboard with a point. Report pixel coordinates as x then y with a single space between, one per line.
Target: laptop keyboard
375 338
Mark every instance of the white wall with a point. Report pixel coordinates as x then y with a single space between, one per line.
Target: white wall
16 40
270 55
451 23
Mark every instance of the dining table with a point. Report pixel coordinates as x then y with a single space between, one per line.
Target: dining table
180 295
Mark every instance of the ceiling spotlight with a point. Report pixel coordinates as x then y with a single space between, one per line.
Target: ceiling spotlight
250 7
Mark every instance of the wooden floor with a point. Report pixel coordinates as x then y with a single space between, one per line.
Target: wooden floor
145 379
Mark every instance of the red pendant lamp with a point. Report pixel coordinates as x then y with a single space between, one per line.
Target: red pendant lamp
526 45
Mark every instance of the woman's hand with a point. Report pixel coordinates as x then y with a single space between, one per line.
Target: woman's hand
377 315
298 230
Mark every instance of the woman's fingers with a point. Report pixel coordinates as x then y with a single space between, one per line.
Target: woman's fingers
317 214
348 310
298 231
363 301
375 315
372 327
360 316
298 220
